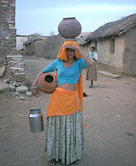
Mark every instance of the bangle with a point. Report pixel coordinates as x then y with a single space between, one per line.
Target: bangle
34 87
86 57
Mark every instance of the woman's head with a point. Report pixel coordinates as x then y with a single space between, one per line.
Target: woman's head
62 52
70 53
92 48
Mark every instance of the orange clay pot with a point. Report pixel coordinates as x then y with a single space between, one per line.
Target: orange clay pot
47 82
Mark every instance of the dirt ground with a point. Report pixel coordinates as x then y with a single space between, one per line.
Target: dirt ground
109 116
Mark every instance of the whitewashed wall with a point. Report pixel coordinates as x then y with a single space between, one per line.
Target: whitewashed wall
19 41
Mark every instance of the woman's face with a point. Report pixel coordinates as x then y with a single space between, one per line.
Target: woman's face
70 53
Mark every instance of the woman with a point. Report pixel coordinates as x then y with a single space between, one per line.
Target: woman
92 70
64 129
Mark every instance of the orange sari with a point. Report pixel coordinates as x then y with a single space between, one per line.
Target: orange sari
63 102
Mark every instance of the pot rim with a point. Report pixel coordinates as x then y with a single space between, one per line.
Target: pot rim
69 18
52 75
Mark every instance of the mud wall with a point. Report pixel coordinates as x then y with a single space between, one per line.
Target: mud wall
129 56
47 48
112 59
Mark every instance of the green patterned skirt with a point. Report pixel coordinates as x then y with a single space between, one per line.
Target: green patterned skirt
65 137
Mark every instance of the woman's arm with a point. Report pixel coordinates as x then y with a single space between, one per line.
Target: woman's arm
85 57
95 57
34 84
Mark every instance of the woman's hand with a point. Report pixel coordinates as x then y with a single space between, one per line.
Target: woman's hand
35 92
34 89
88 60
71 47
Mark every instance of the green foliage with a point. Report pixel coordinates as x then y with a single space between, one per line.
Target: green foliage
35 35
51 33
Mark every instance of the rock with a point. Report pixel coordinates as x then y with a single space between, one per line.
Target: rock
4 87
19 77
17 94
27 82
17 84
16 64
130 134
16 70
28 93
12 88
21 65
1 61
2 71
21 89
20 115
12 63
6 81
4 127
21 97
14 57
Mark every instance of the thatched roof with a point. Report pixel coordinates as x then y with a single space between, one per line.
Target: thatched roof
112 29
82 36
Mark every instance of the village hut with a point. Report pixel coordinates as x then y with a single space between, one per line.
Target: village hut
115 43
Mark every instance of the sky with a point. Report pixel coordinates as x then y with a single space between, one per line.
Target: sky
43 17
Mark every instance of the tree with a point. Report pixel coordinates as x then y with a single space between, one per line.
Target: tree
35 35
51 33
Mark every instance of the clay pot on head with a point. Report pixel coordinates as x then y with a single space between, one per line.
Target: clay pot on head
69 28
47 82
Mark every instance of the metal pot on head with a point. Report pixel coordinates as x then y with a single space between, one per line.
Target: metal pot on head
69 28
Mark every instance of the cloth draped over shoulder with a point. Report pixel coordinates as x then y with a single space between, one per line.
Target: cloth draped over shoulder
56 96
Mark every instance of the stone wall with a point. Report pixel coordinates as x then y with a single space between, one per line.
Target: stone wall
7 27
